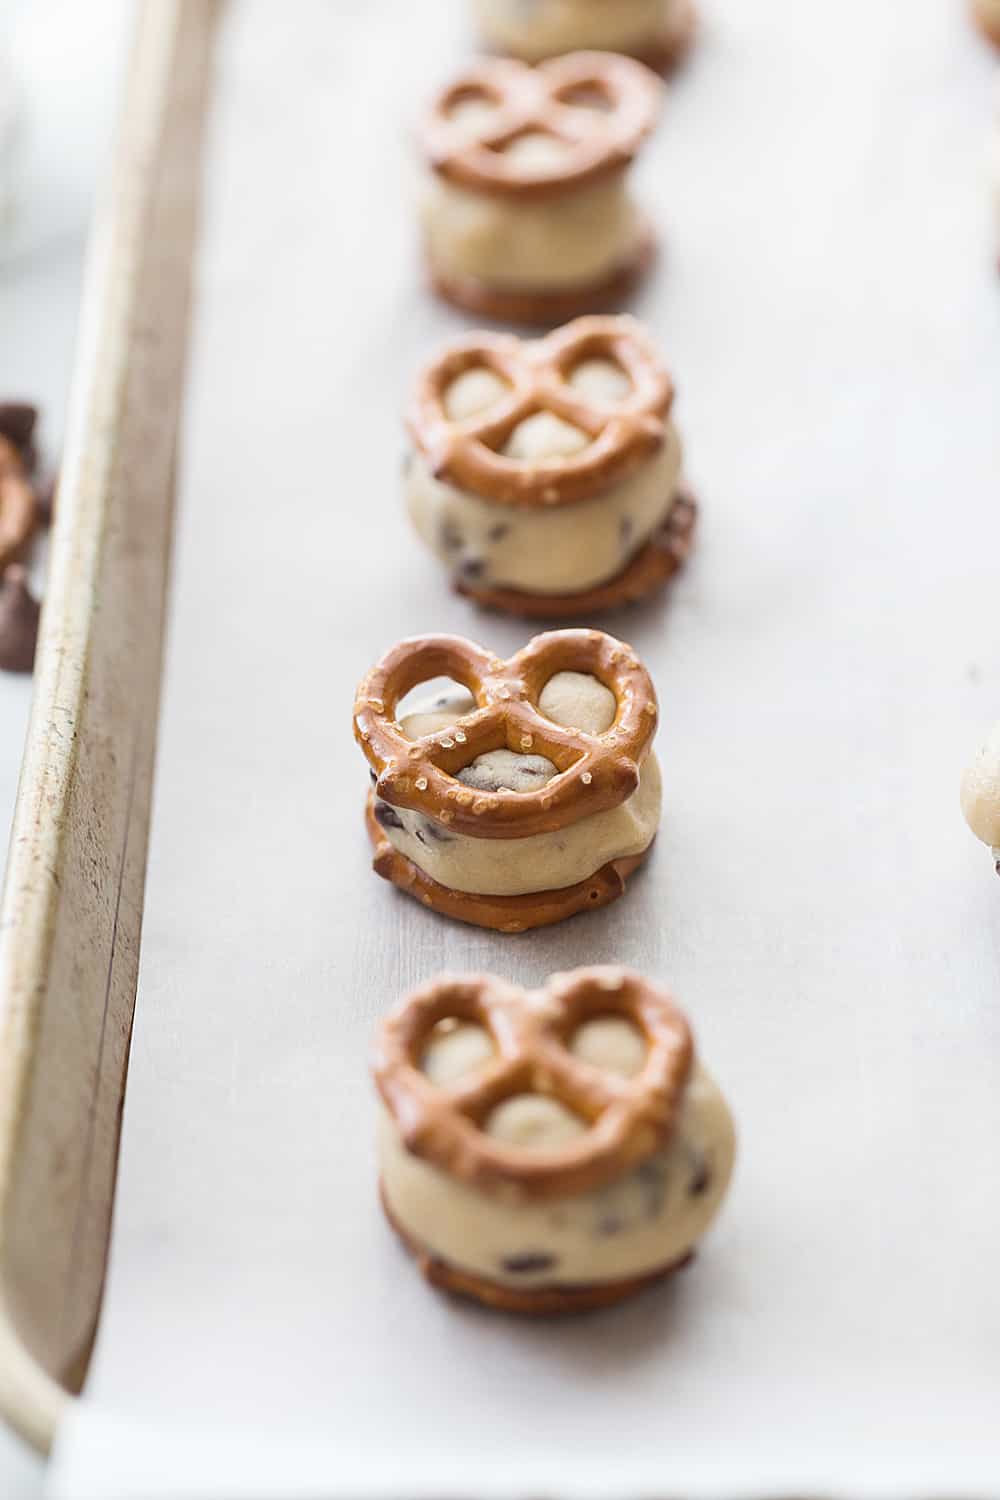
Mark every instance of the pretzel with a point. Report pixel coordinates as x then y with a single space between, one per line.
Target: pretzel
17 503
539 1301
651 567
628 1119
988 20
622 434
539 101
508 914
594 772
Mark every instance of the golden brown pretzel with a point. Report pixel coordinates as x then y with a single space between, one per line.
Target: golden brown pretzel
540 101
622 434
594 772
628 1118
18 510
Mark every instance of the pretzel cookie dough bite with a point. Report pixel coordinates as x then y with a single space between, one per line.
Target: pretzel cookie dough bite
526 213
552 1151
987 15
546 474
657 31
527 792
981 794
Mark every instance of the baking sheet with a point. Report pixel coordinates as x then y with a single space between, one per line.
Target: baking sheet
828 303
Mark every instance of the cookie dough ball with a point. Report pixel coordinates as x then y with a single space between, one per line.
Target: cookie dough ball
981 792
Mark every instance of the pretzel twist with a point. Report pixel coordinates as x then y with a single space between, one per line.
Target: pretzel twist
540 101
594 772
18 507
623 434
628 1119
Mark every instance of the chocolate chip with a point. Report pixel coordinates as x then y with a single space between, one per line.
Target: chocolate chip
17 423
499 531
529 1262
435 831
387 816
19 612
451 537
471 567
701 1176
652 1176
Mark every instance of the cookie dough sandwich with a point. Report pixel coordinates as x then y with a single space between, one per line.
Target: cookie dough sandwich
546 474
981 794
657 31
548 1151
525 793
526 212
987 14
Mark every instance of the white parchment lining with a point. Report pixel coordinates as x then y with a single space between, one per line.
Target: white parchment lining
828 303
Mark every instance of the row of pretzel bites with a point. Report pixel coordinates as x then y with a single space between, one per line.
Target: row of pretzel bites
594 772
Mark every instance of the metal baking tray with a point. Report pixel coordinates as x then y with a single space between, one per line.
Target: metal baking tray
72 906
823 664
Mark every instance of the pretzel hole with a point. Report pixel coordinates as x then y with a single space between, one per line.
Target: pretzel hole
433 705
474 391
472 111
578 700
544 437
534 1122
611 1043
533 152
600 379
454 1048
590 95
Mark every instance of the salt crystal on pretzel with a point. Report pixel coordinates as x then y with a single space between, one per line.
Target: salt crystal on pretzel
546 473
550 1150
526 216
528 798
658 32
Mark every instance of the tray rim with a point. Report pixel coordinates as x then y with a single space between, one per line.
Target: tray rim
165 35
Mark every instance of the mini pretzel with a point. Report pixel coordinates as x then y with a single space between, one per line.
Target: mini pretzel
622 435
594 772
628 1118
532 101
17 503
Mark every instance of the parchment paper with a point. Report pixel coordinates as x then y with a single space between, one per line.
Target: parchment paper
828 301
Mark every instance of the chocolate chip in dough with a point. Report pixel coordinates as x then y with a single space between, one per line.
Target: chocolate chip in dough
701 1175
499 531
19 612
471 569
531 1262
386 815
507 771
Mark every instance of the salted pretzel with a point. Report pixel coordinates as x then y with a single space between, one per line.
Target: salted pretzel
540 101
628 1118
622 433
594 771
18 508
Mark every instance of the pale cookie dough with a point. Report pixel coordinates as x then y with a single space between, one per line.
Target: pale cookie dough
562 550
559 242
535 29
981 793
544 861
649 1219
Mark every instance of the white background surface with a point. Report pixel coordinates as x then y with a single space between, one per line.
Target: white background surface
64 57
828 303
